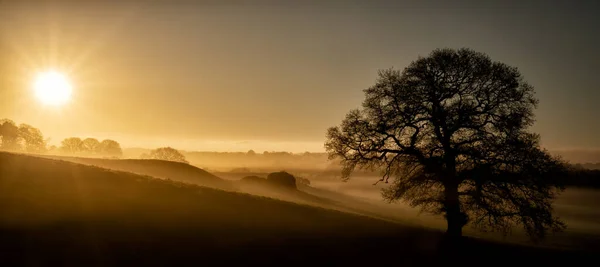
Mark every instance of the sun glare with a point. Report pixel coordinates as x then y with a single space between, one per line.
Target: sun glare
52 88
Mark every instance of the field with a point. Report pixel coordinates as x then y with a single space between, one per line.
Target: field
56 212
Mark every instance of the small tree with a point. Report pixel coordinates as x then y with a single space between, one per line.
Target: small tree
167 153
91 145
32 138
451 130
110 148
71 145
282 178
9 134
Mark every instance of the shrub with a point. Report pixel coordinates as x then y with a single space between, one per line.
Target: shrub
282 178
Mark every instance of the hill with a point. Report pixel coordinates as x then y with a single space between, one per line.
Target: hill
186 173
175 171
61 213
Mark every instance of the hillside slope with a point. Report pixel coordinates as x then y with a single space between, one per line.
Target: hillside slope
61 213
175 171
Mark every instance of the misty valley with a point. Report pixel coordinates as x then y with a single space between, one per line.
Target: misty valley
109 211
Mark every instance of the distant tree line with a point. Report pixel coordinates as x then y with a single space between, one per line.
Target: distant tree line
91 147
26 138
21 138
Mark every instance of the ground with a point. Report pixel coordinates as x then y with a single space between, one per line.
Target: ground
54 212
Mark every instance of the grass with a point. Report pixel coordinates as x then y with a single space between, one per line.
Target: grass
55 212
175 171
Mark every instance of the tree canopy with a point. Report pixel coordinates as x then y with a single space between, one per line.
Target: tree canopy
71 145
9 133
166 153
110 148
451 131
32 138
91 145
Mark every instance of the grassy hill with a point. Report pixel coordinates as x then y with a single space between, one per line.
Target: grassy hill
61 213
175 171
186 173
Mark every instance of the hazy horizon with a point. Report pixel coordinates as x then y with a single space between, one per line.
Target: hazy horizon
312 132
273 76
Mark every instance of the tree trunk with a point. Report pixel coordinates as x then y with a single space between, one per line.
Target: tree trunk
454 216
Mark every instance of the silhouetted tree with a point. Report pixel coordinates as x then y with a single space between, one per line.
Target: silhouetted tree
251 152
282 179
91 145
32 138
9 133
167 153
451 130
110 148
71 145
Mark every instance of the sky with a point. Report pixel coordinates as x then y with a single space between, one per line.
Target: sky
274 75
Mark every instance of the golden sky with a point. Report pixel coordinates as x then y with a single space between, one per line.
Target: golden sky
273 76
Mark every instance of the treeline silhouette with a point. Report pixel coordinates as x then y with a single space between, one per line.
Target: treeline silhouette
26 138
91 147
21 138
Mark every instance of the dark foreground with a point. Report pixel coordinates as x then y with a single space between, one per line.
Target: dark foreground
77 244
55 213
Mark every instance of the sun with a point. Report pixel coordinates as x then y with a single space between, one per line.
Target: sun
52 88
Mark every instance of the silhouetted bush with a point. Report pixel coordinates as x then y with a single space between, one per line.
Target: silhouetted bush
282 179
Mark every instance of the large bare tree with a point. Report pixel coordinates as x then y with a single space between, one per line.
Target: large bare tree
451 132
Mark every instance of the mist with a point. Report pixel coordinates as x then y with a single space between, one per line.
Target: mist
309 133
